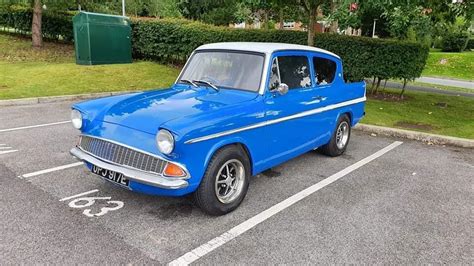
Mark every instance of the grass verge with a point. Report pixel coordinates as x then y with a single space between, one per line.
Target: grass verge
51 71
450 65
426 112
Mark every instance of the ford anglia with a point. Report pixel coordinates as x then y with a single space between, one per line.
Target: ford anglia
235 110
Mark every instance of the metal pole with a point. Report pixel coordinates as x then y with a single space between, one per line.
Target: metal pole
123 8
373 30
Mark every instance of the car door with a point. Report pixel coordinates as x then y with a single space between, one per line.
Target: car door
328 85
291 129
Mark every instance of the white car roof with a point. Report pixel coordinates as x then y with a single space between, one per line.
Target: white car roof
262 47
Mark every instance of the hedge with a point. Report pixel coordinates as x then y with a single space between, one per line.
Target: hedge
173 40
54 25
363 57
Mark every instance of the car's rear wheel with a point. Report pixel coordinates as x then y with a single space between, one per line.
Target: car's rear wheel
340 138
225 182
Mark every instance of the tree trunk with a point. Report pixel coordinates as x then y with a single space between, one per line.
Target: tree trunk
403 88
334 25
265 20
281 18
36 34
312 23
372 87
378 85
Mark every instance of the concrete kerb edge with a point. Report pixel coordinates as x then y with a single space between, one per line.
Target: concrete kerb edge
415 135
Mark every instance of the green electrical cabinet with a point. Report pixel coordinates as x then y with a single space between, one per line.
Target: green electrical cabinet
102 39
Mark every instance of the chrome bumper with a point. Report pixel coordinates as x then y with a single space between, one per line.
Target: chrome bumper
132 174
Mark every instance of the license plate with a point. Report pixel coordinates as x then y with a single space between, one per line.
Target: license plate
110 175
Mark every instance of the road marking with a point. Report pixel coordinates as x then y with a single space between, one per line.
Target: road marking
79 195
4 147
3 144
62 167
5 152
34 126
213 244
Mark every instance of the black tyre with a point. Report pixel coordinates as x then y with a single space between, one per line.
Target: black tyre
340 138
225 182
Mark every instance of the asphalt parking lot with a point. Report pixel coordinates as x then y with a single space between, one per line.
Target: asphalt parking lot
409 205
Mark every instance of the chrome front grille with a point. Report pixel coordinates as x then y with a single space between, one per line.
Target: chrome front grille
121 155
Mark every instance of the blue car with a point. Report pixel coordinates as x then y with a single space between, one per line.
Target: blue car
235 110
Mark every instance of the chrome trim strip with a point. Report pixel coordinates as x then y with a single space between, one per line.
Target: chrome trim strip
282 119
138 150
135 175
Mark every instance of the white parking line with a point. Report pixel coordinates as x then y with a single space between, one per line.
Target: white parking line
34 126
213 244
80 195
5 152
62 167
4 147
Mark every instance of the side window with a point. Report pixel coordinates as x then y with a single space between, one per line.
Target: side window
325 70
275 75
294 71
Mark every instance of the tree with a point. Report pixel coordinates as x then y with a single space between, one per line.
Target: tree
217 12
36 33
311 9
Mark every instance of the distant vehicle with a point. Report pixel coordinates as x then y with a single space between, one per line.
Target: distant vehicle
235 110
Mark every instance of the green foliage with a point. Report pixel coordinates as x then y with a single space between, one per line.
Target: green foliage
217 12
174 40
55 25
470 44
455 36
454 42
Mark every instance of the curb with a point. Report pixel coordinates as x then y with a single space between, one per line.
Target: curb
52 99
415 135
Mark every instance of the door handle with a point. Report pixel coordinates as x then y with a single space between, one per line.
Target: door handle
320 98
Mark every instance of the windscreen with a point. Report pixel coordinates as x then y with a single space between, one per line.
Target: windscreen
226 69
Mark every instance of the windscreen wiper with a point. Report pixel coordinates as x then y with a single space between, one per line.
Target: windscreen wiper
207 83
189 82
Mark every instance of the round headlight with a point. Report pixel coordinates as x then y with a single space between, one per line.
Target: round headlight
165 141
76 119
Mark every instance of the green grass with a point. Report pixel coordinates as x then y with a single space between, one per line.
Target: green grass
419 112
27 72
450 65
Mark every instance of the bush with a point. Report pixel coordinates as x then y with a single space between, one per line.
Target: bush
57 26
454 42
173 41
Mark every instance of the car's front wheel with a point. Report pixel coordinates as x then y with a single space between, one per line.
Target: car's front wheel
340 138
225 182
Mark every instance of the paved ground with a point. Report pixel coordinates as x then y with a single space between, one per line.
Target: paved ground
411 205
412 87
447 82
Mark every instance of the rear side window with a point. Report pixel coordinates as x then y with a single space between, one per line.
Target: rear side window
325 70
293 71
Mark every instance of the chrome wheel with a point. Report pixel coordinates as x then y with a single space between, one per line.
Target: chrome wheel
230 181
342 135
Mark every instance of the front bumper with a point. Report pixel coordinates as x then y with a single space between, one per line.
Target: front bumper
154 180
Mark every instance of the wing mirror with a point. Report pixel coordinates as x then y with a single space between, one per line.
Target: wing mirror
281 89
